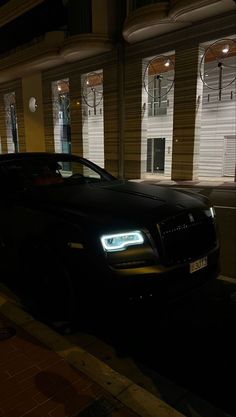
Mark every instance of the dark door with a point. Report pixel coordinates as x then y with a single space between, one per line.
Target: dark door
155 154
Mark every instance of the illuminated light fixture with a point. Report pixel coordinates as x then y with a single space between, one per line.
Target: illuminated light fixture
59 88
225 50
210 212
213 212
167 63
120 241
32 104
87 82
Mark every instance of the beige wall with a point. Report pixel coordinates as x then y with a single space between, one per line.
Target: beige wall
187 114
34 122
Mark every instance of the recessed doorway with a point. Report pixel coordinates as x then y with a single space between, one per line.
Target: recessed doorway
156 155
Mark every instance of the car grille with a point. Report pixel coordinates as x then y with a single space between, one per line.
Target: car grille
186 236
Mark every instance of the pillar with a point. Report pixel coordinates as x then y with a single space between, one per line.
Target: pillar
133 118
187 114
33 117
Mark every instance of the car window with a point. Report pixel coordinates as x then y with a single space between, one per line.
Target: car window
30 172
77 170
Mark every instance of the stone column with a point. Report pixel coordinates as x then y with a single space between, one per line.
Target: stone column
187 114
76 108
133 118
33 115
112 109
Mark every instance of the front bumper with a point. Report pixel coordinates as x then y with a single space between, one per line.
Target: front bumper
161 283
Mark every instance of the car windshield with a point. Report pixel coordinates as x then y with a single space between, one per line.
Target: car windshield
27 172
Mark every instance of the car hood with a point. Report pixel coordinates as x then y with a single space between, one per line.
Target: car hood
120 199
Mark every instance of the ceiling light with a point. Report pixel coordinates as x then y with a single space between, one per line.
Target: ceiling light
225 50
167 63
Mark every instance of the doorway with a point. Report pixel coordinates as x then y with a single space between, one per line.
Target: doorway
156 155
229 160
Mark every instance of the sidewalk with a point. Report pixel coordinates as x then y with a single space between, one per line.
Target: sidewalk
42 375
212 183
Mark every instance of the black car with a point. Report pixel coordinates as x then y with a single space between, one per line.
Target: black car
71 234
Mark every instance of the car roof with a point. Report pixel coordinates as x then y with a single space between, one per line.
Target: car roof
26 155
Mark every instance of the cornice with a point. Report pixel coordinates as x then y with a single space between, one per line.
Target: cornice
200 32
156 19
141 22
51 51
85 45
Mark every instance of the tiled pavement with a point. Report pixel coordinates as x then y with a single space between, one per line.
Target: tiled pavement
37 382
40 376
43 374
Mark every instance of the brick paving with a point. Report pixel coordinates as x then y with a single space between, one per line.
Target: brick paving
37 382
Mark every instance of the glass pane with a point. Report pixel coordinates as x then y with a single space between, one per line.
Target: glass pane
61 116
158 94
93 119
11 122
217 155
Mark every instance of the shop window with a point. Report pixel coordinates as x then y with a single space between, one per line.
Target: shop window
218 114
157 97
61 115
92 113
157 113
11 122
158 82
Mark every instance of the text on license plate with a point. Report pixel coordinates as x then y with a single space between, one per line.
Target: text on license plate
199 264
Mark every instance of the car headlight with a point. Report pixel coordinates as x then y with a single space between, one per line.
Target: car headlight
119 241
210 212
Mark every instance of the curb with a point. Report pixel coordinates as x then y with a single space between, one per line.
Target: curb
227 279
122 388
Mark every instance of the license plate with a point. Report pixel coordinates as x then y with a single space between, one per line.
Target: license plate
199 264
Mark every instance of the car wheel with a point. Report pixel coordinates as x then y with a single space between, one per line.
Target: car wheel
47 287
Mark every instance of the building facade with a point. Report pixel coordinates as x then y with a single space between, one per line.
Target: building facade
143 88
